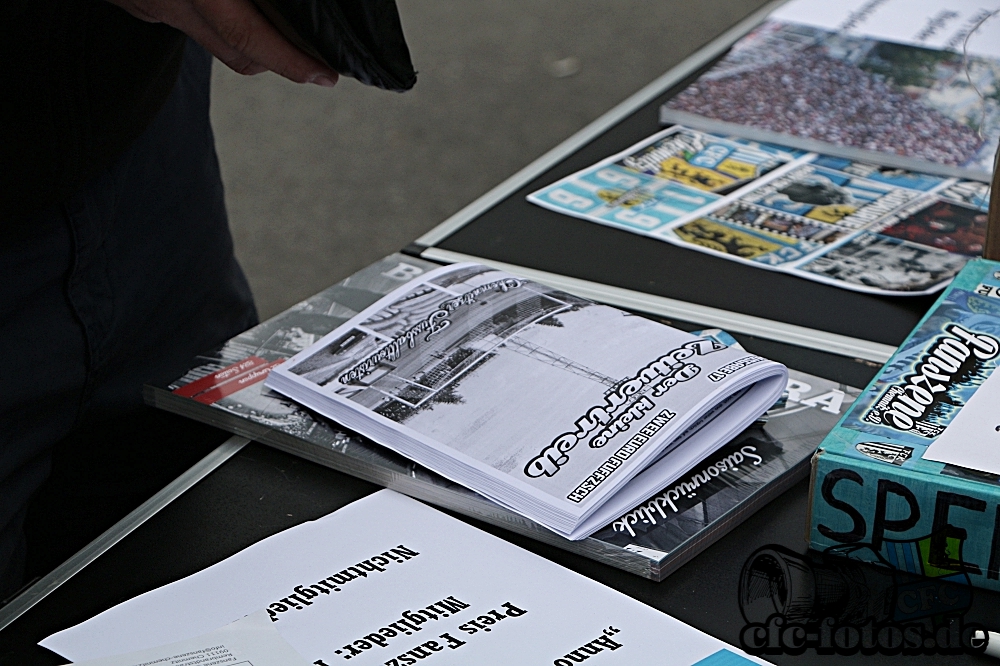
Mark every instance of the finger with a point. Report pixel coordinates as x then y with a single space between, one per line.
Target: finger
226 54
244 29
190 22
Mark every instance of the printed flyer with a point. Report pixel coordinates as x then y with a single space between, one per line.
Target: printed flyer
857 226
664 179
407 585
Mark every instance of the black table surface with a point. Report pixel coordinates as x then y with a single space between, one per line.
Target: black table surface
261 491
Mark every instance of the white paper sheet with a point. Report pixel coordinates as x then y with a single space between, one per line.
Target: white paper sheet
251 641
972 439
933 24
387 577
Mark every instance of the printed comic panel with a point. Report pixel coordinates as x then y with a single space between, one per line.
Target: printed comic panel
887 263
701 161
414 306
891 176
818 194
782 224
945 225
734 241
337 357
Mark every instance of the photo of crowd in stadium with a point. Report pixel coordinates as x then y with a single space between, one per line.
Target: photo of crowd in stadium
854 91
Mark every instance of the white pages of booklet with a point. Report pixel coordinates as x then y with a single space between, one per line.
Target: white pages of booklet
388 580
544 402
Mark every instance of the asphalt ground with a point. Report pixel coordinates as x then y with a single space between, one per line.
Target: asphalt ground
321 182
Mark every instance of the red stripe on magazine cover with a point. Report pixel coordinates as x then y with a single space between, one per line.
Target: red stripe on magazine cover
220 377
232 386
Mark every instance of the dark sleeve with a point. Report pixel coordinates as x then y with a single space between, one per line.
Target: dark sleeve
79 81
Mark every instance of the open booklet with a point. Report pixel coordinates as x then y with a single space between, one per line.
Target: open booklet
561 409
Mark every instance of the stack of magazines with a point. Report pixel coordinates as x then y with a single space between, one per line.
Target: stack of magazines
224 387
560 409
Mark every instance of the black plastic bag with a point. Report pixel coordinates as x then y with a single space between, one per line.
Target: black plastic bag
358 38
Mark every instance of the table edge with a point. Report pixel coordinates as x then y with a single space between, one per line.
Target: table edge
61 574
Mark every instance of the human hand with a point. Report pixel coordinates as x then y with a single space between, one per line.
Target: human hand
236 33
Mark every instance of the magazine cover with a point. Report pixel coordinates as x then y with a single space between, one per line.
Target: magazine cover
890 78
545 402
248 408
936 372
915 461
854 225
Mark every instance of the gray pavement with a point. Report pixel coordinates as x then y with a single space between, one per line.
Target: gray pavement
322 182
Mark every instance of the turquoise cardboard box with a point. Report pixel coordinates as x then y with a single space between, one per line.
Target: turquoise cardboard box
873 492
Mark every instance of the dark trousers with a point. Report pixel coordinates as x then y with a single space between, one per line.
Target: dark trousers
123 284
